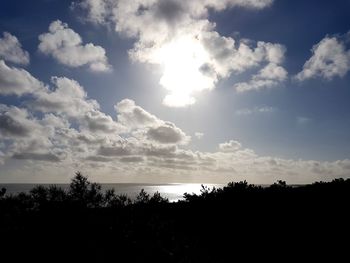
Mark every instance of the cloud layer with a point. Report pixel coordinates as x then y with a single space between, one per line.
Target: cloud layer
59 129
177 36
65 45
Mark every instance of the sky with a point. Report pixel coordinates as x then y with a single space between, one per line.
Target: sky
170 91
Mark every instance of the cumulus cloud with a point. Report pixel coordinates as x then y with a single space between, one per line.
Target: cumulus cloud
330 58
14 122
230 146
177 36
11 50
16 81
24 135
72 126
65 45
167 133
66 97
134 117
69 99
59 129
262 80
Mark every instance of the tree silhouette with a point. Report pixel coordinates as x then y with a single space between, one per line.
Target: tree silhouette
2 192
84 192
86 224
142 197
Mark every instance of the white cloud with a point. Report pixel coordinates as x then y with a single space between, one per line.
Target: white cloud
65 45
24 135
11 50
68 97
146 125
177 36
72 127
272 75
16 81
230 146
40 142
133 116
70 100
330 58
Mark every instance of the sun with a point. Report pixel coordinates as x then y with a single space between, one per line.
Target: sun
183 60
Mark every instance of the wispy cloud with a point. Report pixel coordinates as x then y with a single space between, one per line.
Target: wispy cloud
301 120
199 135
256 110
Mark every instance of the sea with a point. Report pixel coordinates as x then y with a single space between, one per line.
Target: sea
173 192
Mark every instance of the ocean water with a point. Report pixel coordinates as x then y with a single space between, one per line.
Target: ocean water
173 192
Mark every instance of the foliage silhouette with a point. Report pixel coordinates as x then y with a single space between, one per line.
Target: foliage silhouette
2 192
86 224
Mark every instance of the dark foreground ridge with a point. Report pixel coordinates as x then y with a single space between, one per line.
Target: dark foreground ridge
84 224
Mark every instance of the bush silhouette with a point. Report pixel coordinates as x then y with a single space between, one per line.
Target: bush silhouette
84 192
112 200
86 224
2 192
142 197
56 194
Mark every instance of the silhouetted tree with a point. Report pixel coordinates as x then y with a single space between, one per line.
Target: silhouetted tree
56 194
39 194
84 192
142 197
2 192
86 224
112 200
158 199
279 184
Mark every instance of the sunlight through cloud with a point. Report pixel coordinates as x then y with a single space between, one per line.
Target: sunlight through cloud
182 60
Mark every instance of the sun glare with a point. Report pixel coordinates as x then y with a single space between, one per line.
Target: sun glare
182 61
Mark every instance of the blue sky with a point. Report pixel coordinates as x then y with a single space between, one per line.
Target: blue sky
291 118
